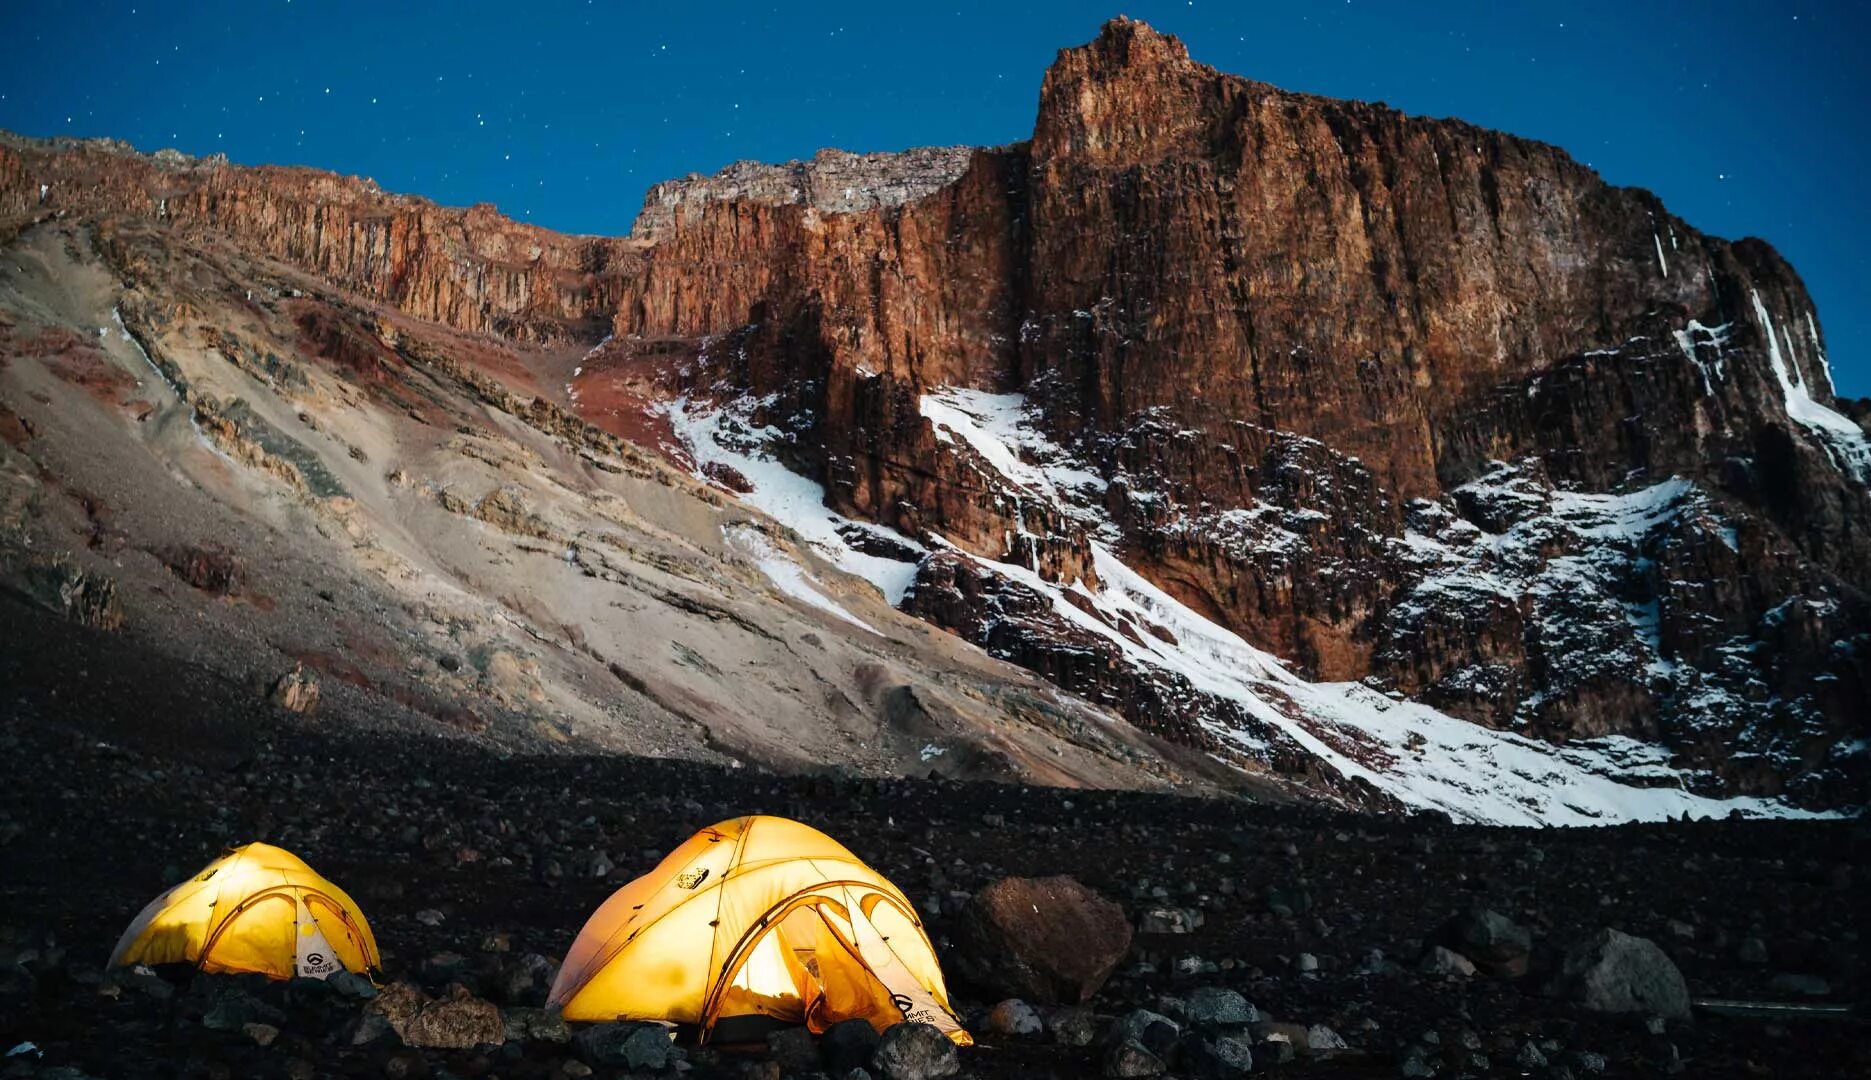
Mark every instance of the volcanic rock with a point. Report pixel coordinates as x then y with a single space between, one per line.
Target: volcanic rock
912 1051
1042 939
1496 944
1612 971
295 691
456 1021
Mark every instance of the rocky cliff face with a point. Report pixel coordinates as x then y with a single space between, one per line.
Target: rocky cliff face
473 269
1397 400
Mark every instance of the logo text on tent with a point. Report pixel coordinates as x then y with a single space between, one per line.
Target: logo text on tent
691 879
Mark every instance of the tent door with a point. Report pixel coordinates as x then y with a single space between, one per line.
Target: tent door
838 961
312 955
911 999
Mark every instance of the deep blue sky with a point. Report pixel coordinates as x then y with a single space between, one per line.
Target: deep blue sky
1747 118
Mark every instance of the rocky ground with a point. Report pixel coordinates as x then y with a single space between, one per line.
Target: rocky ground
121 771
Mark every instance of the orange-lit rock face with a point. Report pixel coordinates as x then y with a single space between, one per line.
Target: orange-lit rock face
1222 297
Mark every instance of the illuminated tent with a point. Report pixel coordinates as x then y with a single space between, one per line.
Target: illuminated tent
256 908
756 917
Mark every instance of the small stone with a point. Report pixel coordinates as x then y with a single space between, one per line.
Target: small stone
1752 950
350 984
1072 1026
296 691
1446 963
1211 1007
144 981
1306 962
537 1025
1131 1058
576 1069
1014 1017
1219 1057
1323 1040
1416 1064
430 917
1153 1031
1288 902
366 1029
1530 1057
1278 1041
1163 920
913 1051
261 1034
528 977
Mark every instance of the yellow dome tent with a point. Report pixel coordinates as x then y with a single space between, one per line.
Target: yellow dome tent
257 908
759 916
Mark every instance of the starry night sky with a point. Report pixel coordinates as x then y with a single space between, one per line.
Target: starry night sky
1747 118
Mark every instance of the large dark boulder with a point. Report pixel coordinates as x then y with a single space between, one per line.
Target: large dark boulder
1042 939
1615 972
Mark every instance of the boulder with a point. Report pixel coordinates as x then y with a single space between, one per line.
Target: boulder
1497 945
848 1045
635 1046
915 1052
1041 939
794 1050
456 1021
1615 972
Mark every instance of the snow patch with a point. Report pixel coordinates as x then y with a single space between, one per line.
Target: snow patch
1843 440
786 574
997 427
1425 759
1715 338
1661 261
1825 363
722 438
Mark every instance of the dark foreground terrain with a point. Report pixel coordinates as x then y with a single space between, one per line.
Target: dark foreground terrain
121 771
